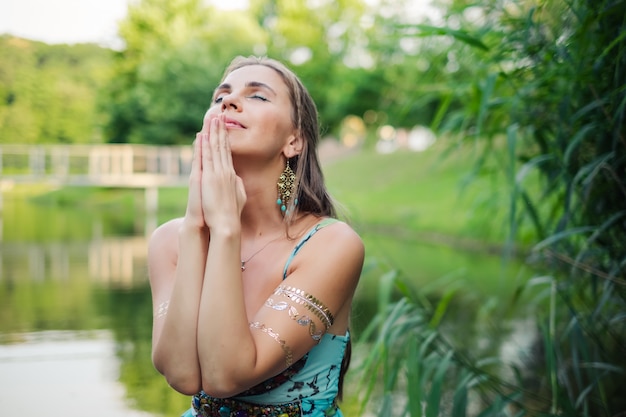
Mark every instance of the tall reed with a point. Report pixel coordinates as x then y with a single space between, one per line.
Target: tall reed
546 101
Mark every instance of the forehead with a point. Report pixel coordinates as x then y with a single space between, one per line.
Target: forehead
256 74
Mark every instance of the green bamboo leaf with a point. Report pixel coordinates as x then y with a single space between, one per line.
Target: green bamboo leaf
497 406
562 235
583 395
604 226
586 174
434 396
386 285
618 318
580 135
617 41
533 213
595 104
426 343
386 406
414 387
460 401
442 307
371 327
444 105
529 166
428 30
604 367
486 92
541 280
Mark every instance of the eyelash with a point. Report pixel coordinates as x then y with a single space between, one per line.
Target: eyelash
218 100
259 97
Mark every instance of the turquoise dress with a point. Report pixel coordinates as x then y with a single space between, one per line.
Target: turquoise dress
307 388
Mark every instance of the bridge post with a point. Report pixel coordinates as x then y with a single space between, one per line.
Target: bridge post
152 204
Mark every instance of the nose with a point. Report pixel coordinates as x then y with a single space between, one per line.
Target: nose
230 101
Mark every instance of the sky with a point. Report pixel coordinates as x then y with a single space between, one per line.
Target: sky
72 21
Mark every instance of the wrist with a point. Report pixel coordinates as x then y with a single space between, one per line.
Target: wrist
189 229
226 232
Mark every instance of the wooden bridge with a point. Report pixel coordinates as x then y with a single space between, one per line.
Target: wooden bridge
129 166
135 166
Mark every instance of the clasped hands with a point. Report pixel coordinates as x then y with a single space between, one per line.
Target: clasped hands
216 194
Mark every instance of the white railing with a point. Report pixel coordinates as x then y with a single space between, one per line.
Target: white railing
135 166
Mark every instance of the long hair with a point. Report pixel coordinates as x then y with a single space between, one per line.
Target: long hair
309 190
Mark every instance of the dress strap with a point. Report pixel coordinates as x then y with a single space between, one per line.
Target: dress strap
327 221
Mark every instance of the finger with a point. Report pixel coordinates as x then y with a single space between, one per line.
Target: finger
196 155
206 152
214 145
225 154
206 122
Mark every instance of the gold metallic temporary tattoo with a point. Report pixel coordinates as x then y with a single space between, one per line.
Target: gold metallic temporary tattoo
301 319
310 302
276 337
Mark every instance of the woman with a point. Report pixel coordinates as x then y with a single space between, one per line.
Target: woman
253 287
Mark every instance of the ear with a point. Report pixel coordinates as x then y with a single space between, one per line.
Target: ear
294 145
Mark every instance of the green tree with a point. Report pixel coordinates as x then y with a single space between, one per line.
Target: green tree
48 93
174 56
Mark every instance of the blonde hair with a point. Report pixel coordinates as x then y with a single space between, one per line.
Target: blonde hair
309 190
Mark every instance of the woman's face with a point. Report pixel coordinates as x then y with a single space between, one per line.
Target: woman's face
256 107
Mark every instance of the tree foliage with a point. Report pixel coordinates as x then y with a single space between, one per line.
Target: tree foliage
49 93
174 56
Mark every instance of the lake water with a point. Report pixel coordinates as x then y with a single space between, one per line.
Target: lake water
75 309
63 373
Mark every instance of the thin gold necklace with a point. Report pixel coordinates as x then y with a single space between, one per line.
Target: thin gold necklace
243 262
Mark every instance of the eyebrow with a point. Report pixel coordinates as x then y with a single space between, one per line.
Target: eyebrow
253 84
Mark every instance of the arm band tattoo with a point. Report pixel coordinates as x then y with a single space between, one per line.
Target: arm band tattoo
275 336
310 302
162 309
302 320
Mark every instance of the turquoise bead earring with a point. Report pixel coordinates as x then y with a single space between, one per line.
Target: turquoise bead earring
285 184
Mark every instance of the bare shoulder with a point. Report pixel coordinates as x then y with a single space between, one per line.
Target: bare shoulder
335 252
341 234
166 230
340 239
163 243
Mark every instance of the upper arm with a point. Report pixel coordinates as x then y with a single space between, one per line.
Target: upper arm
162 260
320 284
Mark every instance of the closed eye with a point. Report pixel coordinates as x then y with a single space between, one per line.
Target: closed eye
259 97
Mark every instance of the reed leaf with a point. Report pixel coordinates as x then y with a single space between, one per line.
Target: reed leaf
436 385
463 36
460 399
414 368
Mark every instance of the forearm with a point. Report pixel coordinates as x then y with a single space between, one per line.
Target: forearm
175 349
225 345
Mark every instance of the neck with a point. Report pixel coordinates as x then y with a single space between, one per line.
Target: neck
261 216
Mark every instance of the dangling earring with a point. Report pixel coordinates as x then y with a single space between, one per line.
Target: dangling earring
285 184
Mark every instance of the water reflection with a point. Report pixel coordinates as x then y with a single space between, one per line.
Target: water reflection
117 261
62 373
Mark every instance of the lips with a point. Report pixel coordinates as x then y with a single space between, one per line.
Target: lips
228 122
